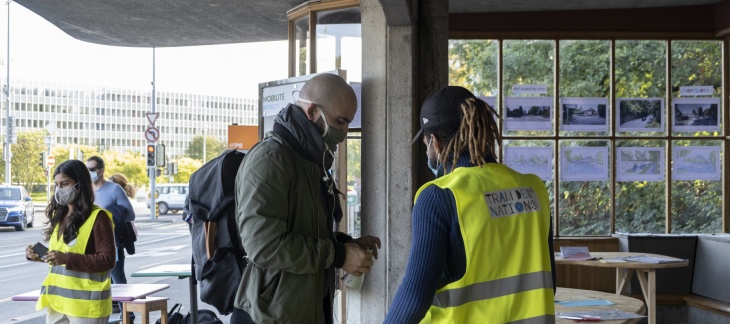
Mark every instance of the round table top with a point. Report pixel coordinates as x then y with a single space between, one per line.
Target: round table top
607 256
623 303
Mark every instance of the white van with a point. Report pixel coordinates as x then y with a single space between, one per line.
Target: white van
170 197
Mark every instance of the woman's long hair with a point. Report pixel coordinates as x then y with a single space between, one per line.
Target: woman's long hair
478 133
83 203
122 181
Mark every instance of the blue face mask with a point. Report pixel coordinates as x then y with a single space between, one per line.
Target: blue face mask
94 176
435 165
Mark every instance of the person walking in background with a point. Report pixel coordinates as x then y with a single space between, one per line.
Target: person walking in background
81 251
124 232
108 194
287 206
481 232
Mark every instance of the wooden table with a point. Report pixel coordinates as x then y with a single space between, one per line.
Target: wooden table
175 270
623 303
122 293
646 272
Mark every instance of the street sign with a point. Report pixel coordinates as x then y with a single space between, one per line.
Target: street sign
152 134
50 160
152 117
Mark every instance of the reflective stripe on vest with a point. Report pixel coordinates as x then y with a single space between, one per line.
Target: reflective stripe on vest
76 293
98 277
492 289
504 220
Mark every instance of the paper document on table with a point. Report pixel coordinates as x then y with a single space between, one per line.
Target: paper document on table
576 253
648 259
613 261
604 315
587 302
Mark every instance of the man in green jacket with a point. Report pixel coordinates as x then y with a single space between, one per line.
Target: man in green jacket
287 206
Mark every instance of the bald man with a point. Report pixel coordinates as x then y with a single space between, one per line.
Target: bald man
287 208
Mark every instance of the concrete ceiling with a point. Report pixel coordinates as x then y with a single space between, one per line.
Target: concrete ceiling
170 23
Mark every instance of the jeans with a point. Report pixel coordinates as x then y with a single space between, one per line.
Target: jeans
118 275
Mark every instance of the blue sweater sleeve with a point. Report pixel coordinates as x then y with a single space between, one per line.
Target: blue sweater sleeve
430 236
121 199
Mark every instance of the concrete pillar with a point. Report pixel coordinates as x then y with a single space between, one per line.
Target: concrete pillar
397 75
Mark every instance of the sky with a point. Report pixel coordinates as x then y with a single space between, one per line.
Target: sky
40 51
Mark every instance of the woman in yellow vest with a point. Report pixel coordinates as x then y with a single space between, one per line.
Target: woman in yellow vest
80 254
481 232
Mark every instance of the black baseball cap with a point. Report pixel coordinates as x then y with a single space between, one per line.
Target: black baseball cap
441 109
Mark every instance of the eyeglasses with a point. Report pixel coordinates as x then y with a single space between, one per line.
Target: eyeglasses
95 169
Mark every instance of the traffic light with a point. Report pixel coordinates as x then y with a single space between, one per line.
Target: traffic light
151 155
161 155
43 159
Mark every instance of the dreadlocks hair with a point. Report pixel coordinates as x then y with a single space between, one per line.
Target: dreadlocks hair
477 132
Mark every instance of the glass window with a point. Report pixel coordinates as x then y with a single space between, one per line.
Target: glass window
632 156
301 45
339 41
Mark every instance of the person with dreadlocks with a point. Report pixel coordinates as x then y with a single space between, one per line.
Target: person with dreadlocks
481 232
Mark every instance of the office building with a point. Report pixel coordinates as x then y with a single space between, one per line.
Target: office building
116 119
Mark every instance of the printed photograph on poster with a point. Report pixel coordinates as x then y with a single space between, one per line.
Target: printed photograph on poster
696 114
584 114
640 114
640 164
534 160
696 163
528 113
584 163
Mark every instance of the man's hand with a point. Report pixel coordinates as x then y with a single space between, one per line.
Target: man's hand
368 243
357 260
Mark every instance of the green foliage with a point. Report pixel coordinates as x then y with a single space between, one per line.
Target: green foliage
213 148
353 160
640 71
25 163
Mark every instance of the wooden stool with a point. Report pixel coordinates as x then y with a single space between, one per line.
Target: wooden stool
145 306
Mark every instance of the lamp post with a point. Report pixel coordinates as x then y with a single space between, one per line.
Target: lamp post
6 150
205 142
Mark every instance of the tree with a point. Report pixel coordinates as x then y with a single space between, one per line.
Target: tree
131 165
213 148
185 167
25 164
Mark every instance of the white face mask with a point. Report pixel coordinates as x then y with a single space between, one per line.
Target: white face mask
94 176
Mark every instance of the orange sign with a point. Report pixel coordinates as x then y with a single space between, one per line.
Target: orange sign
242 137
50 160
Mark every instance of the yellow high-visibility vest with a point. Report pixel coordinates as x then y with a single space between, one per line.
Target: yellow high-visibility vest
504 217
76 293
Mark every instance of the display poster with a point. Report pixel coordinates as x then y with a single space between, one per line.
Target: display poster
528 113
696 163
530 160
584 163
584 114
640 114
278 97
640 164
696 114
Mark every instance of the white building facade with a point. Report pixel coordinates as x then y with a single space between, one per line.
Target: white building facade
116 119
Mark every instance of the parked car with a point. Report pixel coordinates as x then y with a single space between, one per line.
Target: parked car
170 197
16 207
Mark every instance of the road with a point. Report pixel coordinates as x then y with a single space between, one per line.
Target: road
164 241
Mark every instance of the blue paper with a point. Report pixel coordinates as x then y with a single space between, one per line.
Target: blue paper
589 302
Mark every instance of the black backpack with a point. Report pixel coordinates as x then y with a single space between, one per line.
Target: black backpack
218 257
